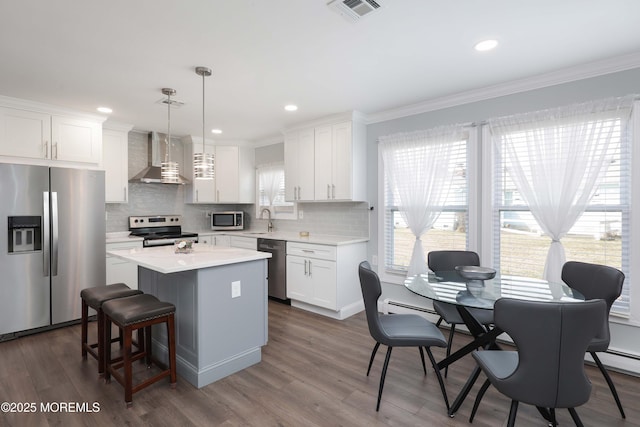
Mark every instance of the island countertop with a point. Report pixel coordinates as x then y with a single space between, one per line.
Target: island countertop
163 259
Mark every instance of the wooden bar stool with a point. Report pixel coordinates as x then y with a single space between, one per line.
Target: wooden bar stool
94 298
134 313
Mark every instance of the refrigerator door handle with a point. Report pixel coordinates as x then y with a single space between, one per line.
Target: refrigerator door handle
46 236
54 233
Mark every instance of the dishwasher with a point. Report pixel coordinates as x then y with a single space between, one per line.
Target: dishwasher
277 266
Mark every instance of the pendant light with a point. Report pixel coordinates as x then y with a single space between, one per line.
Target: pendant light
169 170
203 163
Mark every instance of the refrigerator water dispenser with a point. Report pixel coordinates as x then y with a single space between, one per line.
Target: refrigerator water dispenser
25 234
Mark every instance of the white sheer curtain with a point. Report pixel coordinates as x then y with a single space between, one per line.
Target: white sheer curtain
270 182
556 159
417 167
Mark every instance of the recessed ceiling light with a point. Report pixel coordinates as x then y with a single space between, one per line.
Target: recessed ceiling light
486 45
105 110
216 131
291 107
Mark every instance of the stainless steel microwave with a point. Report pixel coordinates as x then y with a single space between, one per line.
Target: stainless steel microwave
230 220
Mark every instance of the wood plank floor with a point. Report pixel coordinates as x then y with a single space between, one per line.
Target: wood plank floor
312 374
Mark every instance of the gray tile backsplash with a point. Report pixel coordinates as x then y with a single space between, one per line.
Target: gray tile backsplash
346 219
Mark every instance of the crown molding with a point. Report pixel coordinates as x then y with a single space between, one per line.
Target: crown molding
39 107
566 75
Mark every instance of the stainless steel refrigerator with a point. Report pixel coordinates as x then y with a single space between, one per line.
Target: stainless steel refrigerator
52 243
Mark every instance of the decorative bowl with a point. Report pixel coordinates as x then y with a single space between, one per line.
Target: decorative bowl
183 246
472 272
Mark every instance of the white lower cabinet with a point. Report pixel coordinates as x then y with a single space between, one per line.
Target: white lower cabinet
222 240
325 277
244 242
206 239
119 270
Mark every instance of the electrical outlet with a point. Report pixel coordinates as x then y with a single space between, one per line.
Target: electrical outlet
235 289
374 259
300 214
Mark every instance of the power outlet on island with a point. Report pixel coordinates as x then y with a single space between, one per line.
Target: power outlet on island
235 289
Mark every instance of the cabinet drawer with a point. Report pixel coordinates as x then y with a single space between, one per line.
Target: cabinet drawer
311 250
124 245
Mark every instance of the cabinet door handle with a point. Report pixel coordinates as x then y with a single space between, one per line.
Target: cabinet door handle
309 251
328 191
125 194
333 191
295 193
196 195
46 149
217 195
56 145
309 268
305 267
299 196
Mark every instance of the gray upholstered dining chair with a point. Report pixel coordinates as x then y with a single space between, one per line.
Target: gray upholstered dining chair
439 261
397 330
547 370
596 281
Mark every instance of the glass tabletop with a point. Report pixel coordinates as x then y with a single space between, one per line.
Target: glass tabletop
450 287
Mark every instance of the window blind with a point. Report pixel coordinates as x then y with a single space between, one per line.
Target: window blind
601 234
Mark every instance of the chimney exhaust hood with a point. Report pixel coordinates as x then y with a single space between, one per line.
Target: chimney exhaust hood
152 173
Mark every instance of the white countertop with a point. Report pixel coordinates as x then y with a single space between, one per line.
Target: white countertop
164 260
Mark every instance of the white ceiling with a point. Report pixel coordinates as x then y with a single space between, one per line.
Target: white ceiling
267 53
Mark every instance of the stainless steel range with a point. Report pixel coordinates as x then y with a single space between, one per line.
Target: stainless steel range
159 230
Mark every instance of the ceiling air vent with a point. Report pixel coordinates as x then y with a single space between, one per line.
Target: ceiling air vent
353 10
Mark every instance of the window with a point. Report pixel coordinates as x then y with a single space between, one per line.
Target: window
600 233
449 230
270 192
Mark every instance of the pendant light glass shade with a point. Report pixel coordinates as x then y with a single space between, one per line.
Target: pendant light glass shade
203 163
169 171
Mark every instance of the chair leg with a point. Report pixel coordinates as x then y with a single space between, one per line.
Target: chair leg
439 376
609 382
439 321
554 421
449 342
479 397
424 367
512 414
384 374
84 332
171 338
126 361
147 345
373 355
103 346
575 417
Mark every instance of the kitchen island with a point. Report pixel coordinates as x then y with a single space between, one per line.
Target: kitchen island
220 294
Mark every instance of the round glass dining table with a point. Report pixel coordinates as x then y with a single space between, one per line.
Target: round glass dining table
450 287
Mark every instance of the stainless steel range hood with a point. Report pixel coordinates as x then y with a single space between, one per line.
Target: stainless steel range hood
152 173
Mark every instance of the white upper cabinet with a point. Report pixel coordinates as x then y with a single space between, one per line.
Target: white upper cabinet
336 156
115 162
75 140
24 133
299 165
234 168
39 134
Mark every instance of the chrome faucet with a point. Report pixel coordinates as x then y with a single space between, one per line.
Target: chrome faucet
269 224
